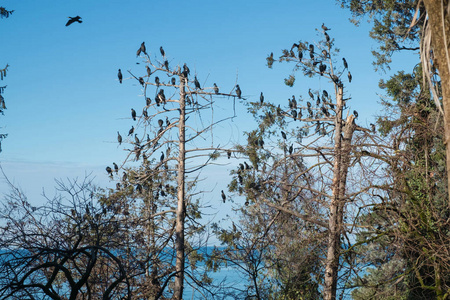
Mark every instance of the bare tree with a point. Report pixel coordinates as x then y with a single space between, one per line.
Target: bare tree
173 141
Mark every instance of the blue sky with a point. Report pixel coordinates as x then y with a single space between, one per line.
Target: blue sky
65 104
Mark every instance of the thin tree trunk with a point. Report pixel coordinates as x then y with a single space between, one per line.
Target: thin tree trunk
332 261
181 207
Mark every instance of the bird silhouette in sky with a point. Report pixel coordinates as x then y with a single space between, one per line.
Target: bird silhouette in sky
73 20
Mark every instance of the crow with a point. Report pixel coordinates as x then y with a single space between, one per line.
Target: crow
119 75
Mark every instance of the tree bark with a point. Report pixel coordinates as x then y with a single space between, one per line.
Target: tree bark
440 37
181 205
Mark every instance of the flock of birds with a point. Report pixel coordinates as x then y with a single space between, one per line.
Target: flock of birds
161 98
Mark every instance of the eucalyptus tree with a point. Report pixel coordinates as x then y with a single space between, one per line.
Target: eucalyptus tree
172 141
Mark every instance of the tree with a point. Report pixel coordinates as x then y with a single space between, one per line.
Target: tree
306 173
168 172
71 247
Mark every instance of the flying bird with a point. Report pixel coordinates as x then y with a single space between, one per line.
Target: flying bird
119 75
74 19
133 114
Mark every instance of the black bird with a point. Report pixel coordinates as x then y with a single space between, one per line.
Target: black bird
261 98
74 19
136 139
300 55
131 131
133 114
327 37
167 122
160 123
310 94
325 28
349 76
109 170
372 127
223 197
149 72
124 176
325 93
247 167
148 101
119 75
157 80
166 64
311 48
308 104
216 89
229 154
345 63
355 113
143 48
162 156
162 51
197 84
294 114
116 168
173 80
141 81
283 134
186 71
294 102
291 149
241 166
119 138
238 91
145 113
161 96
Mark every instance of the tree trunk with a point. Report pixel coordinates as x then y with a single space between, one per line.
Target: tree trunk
440 37
181 207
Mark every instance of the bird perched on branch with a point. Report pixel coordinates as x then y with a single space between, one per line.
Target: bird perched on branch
261 98
372 127
349 76
131 131
119 75
74 19
216 89
325 28
119 138
238 91
133 114
116 168
355 113
162 51
345 63
196 83
109 170
224 197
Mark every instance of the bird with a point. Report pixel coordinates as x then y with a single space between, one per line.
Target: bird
372 127
136 139
119 75
345 63
133 114
131 131
157 80
167 121
216 89
355 113
325 93
349 76
161 49
310 94
283 134
109 170
149 71
145 113
141 81
186 71
261 98
160 123
291 149
173 81
143 48
161 96
224 197
229 154
119 138
116 168
238 91
327 37
74 19
294 114
197 84
162 156
325 28
124 176
166 65
148 101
